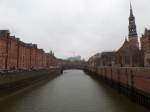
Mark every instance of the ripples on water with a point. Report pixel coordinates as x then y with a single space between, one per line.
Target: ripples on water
74 91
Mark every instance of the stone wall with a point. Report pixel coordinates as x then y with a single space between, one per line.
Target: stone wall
138 78
14 80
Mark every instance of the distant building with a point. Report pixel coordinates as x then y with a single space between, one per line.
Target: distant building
107 58
94 60
102 59
75 58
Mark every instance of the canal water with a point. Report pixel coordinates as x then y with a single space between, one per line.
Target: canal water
73 91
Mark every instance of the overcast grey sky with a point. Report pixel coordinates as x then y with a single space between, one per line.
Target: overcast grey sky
80 27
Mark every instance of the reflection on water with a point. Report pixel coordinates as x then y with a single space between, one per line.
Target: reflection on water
74 91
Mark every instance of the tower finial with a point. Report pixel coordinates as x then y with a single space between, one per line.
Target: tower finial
130 5
131 12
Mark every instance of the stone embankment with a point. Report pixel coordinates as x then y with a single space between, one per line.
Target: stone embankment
15 80
131 81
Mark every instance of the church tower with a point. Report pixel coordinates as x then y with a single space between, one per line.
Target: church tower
133 37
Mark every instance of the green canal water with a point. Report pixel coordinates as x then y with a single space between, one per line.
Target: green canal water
73 91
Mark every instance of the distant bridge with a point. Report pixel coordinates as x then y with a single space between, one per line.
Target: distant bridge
72 66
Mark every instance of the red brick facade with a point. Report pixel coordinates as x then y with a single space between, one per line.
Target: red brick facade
3 48
145 47
15 54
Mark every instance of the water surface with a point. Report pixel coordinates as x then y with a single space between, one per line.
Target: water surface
73 91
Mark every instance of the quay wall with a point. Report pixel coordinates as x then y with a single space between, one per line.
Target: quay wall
10 81
131 81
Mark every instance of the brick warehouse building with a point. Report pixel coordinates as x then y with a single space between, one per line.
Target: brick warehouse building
15 54
145 47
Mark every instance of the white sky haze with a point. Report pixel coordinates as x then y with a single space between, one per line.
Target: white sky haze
81 27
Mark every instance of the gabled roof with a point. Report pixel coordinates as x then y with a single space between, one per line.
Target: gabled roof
127 48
